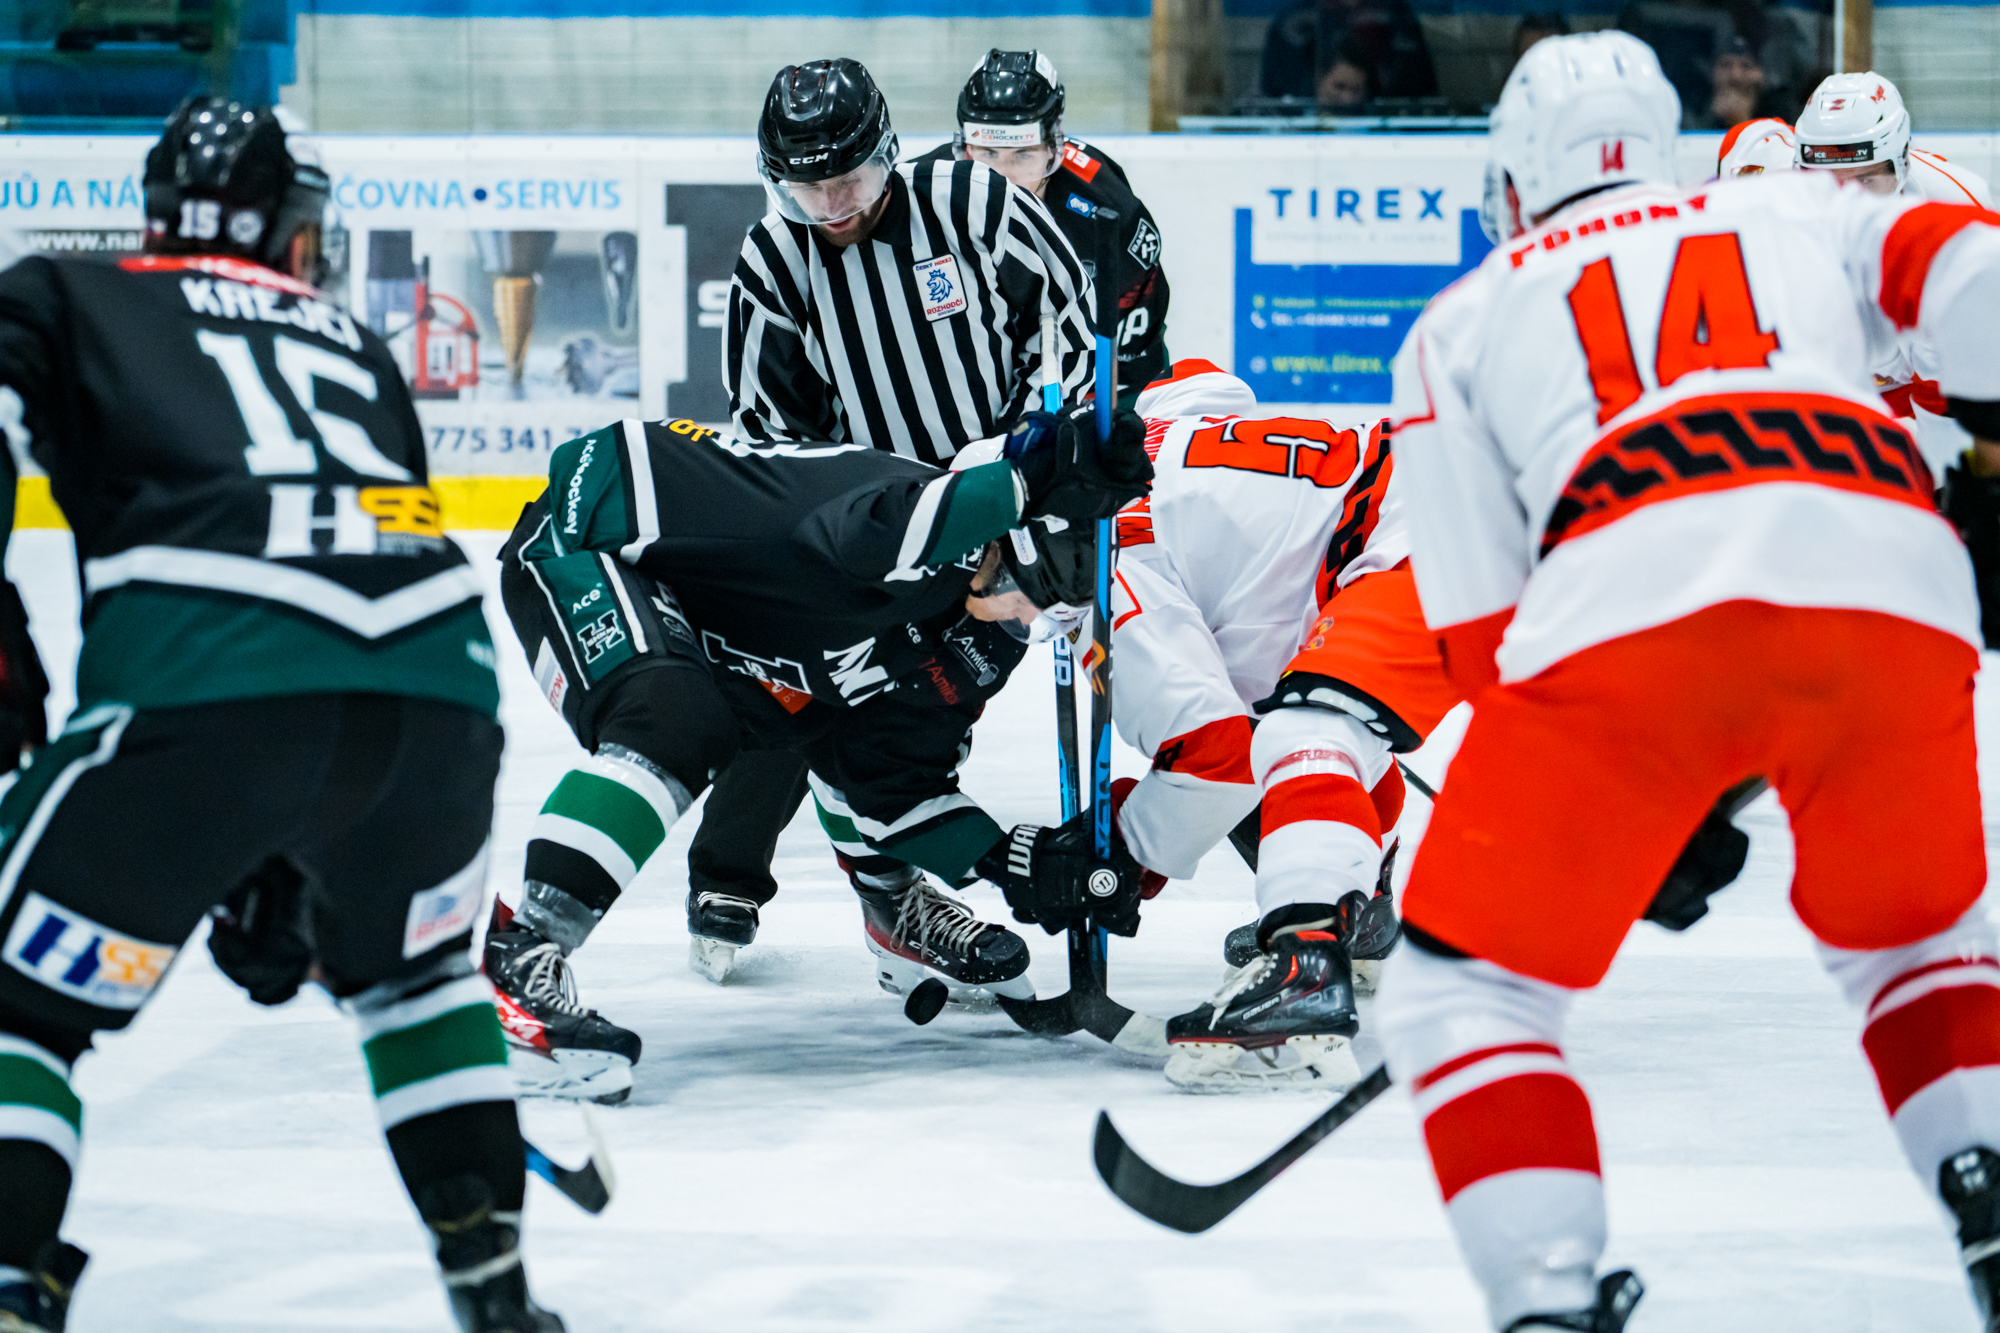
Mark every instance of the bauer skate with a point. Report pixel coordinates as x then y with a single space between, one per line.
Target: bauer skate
917 931
555 1047
1617 1294
479 1257
1969 1183
1285 1018
37 1301
718 925
1367 925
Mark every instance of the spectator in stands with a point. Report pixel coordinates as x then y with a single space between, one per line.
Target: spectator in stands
1344 88
1739 92
1534 27
1381 38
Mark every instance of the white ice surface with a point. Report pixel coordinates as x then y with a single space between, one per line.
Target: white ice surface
798 1157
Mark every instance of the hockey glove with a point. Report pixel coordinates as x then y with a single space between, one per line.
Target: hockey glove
1069 474
1972 505
1710 863
1051 877
261 936
23 721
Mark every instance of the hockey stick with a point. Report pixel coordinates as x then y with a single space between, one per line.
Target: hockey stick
589 1186
1086 1004
1195 1208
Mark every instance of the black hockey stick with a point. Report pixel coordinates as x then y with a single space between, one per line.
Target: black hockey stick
1195 1208
1086 1004
589 1186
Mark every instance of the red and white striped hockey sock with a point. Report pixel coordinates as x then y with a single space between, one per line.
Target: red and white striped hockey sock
1322 834
1509 1131
1933 1037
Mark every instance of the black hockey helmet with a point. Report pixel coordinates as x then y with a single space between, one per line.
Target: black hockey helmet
221 180
1052 562
822 120
1014 99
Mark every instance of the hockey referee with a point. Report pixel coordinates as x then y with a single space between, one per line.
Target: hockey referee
894 307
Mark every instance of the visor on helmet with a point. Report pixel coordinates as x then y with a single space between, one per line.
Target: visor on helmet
824 203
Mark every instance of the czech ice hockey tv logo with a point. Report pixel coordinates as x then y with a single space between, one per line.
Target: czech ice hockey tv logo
939 285
68 952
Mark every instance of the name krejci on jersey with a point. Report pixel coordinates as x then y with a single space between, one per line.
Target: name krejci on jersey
237 300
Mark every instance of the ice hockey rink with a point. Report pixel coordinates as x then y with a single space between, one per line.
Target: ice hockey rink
798 1157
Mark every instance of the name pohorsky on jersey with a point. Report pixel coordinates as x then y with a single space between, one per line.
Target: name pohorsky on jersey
924 333
274 534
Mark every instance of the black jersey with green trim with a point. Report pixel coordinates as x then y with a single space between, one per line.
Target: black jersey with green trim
244 474
1088 179
811 567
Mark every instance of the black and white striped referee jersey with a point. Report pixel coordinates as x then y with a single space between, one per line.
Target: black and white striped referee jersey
920 339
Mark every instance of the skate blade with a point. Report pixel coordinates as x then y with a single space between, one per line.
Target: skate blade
571 1075
1302 1064
712 959
899 976
1367 975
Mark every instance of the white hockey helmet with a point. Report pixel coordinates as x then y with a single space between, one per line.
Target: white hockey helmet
1853 120
1755 147
1196 388
1578 113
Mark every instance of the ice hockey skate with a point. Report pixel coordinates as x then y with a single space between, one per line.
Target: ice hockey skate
718 925
1969 1183
1617 1294
1368 925
916 930
38 1301
479 1257
555 1047
1285 1018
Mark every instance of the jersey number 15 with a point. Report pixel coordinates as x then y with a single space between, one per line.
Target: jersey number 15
274 450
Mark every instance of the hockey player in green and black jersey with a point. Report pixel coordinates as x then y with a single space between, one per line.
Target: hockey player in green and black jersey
285 707
1010 117
683 598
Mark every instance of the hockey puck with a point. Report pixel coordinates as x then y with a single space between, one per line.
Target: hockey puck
926 1001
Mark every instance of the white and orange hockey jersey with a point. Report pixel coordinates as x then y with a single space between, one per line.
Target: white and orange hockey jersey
1661 400
1251 523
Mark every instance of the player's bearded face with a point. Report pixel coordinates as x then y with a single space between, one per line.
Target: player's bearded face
1027 167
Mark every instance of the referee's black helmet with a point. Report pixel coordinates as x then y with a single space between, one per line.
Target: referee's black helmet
221 180
1013 88
822 120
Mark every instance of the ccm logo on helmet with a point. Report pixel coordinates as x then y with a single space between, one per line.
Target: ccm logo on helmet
809 159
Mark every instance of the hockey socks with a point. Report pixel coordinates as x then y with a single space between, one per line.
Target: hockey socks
600 824
41 1120
432 1048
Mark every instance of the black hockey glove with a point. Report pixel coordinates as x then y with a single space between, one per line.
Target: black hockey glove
1051 877
24 722
1069 474
1710 863
261 935
1972 505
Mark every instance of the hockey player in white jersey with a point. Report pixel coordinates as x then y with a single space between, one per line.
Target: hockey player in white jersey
1263 534
1755 147
1672 540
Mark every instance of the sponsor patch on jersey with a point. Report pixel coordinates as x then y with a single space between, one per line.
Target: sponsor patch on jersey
68 952
439 913
600 636
939 285
1082 163
1076 203
1145 246
779 670
549 676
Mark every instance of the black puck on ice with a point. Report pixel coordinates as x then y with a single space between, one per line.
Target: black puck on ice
926 1001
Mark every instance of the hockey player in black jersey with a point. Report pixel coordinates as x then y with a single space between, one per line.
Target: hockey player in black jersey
285 707
683 598
1010 118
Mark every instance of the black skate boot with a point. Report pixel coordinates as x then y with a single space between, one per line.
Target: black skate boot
555 1047
479 1256
1366 924
1617 1294
1285 1017
1970 1185
718 925
37 1301
917 931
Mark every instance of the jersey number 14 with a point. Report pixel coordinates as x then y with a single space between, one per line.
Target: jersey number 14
1708 322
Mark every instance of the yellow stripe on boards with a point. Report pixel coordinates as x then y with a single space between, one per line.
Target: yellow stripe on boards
468 503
